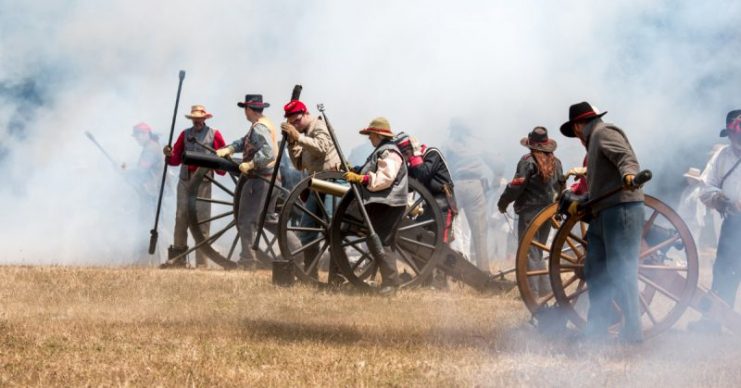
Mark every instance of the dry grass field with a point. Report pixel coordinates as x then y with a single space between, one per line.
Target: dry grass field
143 327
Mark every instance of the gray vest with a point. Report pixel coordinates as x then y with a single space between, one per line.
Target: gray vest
205 136
396 194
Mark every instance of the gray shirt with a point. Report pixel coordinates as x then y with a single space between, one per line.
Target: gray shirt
609 158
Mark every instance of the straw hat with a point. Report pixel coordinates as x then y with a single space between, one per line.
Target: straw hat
198 112
693 174
380 126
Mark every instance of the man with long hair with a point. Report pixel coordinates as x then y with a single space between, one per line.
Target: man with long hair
538 179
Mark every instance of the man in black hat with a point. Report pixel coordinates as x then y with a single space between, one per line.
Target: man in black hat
614 235
538 179
722 191
259 149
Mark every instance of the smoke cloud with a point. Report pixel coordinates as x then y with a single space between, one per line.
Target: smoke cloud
664 70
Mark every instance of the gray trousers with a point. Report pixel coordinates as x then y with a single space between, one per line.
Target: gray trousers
470 197
251 202
611 269
727 265
540 285
180 239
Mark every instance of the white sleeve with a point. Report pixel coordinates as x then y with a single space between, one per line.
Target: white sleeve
388 167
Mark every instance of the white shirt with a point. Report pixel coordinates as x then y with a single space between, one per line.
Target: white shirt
717 167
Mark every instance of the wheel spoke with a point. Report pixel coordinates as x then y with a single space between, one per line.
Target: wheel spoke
356 241
409 261
317 257
216 217
658 288
649 223
305 247
661 268
645 308
577 292
583 226
540 246
305 229
320 204
233 247
311 214
660 245
219 185
214 201
362 258
416 225
415 242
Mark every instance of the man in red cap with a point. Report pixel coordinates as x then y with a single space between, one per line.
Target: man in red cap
614 235
149 166
311 150
722 192
174 157
384 187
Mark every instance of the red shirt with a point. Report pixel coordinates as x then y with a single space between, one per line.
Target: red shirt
179 147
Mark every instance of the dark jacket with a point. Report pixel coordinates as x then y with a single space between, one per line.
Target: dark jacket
433 173
528 190
609 158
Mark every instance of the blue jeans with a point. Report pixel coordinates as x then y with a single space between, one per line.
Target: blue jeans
727 266
611 269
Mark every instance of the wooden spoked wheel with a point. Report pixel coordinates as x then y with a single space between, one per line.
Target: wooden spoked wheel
416 246
529 279
309 223
667 273
222 243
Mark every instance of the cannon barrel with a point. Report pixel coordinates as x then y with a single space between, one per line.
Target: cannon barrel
327 187
210 161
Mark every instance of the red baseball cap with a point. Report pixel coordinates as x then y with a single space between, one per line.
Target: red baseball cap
141 128
293 107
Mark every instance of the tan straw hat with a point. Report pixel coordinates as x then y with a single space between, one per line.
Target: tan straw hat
198 112
380 126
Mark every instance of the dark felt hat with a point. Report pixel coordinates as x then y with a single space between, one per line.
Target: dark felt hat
538 139
253 101
579 112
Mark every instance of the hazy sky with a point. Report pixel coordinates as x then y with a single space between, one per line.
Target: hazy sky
663 70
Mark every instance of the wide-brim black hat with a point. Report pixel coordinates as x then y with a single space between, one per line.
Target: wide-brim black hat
579 112
253 101
538 140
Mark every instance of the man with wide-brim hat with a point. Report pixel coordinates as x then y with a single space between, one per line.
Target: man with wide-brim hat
614 234
311 150
259 149
383 182
188 141
537 181
722 191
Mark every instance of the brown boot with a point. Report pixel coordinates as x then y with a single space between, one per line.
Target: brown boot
180 262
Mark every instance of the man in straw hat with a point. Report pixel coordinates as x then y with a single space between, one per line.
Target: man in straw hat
259 149
384 187
311 150
537 182
722 192
614 234
204 134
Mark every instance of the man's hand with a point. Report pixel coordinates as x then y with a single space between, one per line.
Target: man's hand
569 203
167 151
502 208
576 171
246 167
224 152
628 182
721 203
355 178
290 131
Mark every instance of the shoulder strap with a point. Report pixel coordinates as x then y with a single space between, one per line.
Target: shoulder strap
729 172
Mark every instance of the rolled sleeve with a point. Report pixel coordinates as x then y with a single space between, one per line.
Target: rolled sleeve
384 176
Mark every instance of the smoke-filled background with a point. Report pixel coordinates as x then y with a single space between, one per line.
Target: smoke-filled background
664 70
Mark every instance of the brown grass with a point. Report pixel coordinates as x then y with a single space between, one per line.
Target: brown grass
120 327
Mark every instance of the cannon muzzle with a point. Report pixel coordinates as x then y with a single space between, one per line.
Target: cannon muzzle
327 187
210 161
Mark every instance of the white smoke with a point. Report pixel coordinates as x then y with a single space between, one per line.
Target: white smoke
664 70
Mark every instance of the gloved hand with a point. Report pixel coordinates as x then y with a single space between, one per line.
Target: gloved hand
502 207
167 150
225 151
352 177
415 161
576 171
720 202
246 167
570 203
291 131
628 183
416 146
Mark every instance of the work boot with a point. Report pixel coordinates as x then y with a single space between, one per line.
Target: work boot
201 260
172 252
389 272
